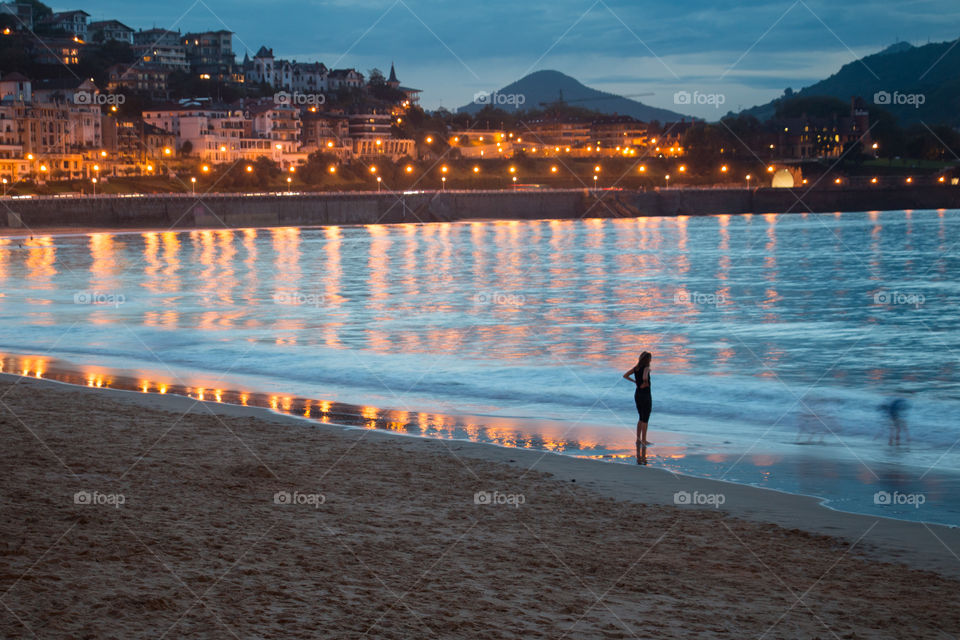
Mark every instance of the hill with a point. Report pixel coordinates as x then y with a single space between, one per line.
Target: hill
913 83
546 87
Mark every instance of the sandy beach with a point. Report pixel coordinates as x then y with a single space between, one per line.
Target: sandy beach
138 516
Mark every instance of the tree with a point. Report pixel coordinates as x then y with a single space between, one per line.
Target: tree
376 78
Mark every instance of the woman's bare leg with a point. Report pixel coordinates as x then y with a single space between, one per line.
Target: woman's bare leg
642 427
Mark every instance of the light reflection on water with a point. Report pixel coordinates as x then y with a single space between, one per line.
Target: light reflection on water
757 322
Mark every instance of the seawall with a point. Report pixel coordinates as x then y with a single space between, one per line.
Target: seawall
238 210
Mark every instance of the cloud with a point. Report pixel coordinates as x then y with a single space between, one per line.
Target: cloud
752 47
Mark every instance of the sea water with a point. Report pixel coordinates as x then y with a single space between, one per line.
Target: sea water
777 339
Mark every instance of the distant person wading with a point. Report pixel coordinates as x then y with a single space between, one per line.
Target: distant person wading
643 400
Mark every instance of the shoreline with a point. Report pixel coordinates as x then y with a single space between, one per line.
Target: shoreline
699 460
353 208
920 545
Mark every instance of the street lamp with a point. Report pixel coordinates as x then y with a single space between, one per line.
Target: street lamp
193 185
5 187
94 181
289 180
379 182
666 179
443 183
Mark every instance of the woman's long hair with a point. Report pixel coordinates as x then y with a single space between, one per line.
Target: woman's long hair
644 361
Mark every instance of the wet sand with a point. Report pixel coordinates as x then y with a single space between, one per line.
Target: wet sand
240 523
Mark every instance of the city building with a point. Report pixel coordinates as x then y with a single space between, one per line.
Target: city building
210 55
73 23
107 30
618 131
56 51
143 78
22 13
339 79
161 47
806 137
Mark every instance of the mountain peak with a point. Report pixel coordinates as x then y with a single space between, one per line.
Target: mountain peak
541 88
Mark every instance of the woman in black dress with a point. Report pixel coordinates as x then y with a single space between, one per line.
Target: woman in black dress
642 398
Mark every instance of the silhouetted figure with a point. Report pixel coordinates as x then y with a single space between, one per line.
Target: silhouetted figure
643 400
896 409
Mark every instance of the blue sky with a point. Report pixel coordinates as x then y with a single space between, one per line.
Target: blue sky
747 51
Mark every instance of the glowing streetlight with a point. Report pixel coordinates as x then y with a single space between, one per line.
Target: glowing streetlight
373 169
444 169
332 169
476 169
167 151
205 168
429 140
193 185
643 168
723 169
408 169
683 168
553 169
909 180
94 181
379 181
873 181
443 183
770 169
249 168
289 181
5 187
